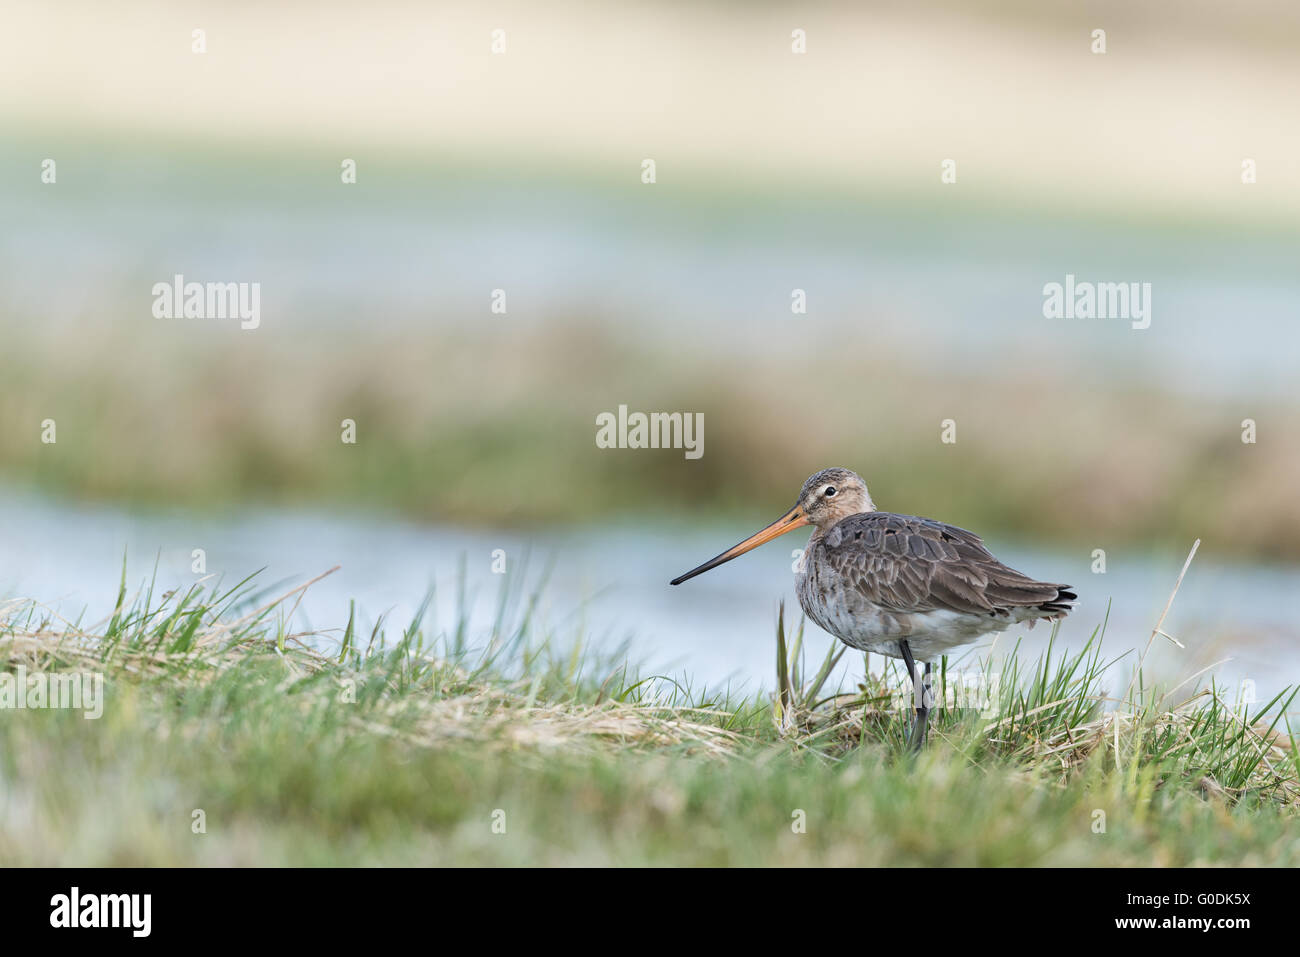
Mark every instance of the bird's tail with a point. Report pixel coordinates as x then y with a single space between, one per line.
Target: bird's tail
1061 605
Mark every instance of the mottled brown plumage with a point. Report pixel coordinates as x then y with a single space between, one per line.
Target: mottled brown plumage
916 564
876 577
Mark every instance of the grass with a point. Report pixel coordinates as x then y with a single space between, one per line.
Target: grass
434 746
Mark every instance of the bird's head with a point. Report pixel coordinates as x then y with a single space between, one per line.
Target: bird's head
833 494
827 497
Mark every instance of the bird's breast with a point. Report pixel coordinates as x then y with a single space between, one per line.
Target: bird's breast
836 604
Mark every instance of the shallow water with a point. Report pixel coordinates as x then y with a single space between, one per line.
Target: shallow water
948 292
610 584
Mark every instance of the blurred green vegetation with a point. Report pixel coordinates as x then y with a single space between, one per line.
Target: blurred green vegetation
243 419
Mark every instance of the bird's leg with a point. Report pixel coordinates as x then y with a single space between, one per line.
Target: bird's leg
923 712
919 696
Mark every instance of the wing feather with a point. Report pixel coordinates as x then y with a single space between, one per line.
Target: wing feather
911 564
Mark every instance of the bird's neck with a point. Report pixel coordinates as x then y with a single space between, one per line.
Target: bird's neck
819 532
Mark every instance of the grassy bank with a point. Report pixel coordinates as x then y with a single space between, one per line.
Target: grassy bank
336 749
203 420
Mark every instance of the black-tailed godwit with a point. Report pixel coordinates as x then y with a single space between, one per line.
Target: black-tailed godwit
898 585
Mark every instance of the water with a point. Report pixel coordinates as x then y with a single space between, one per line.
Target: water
946 289
609 585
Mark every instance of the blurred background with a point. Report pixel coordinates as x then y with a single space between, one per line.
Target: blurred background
775 171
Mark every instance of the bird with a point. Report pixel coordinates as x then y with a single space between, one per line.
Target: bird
898 585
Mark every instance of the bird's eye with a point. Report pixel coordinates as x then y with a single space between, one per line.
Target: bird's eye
830 490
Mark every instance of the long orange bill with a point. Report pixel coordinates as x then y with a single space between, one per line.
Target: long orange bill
793 519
